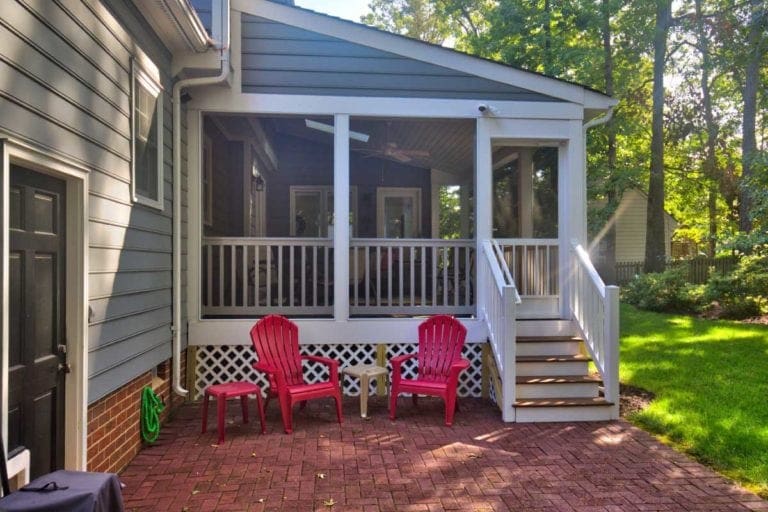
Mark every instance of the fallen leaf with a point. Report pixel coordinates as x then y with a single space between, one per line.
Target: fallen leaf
329 502
253 454
214 446
475 455
321 476
195 492
261 500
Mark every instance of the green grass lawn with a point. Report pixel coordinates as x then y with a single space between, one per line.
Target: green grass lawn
711 384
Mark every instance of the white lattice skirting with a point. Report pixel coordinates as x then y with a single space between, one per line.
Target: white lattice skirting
226 363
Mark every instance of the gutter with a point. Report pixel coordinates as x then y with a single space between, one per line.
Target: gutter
224 58
598 121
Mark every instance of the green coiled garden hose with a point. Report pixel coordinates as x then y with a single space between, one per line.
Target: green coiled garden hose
151 407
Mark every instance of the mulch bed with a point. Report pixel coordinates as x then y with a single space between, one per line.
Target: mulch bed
633 399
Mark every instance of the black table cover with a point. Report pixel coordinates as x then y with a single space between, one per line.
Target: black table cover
86 492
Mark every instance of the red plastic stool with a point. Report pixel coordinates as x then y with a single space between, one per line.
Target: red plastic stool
232 390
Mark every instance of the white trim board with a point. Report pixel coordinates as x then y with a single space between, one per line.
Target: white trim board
433 54
222 100
328 331
76 386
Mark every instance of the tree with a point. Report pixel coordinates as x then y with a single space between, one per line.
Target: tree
654 234
418 19
755 49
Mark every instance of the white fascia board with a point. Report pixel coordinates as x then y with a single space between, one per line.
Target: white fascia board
328 331
373 38
595 100
176 23
218 99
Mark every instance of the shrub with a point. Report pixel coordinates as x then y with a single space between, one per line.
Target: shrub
666 291
742 293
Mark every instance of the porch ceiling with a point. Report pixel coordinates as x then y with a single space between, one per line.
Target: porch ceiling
443 144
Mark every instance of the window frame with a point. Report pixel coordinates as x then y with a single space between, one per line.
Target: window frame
141 77
324 191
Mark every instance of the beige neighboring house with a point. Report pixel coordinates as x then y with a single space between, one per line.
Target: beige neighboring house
630 218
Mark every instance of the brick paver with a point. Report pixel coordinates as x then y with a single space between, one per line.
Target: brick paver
418 464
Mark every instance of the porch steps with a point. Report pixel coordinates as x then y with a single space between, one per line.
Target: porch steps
534 387
553 382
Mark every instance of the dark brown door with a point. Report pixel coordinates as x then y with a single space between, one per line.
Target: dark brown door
37 349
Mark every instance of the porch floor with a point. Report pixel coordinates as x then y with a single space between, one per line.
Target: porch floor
417 464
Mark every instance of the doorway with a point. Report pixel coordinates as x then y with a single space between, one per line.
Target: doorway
37 297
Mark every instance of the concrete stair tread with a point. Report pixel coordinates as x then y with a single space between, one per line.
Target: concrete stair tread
559 358
558 379
562 402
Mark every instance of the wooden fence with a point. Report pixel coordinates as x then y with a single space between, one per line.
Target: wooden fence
699 268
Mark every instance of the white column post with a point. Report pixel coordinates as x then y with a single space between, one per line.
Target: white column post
341 218
525 177
483 200
194 215
572 207
612 347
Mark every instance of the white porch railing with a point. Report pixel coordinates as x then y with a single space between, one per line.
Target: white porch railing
411 276
257 276
533 263
596 313
500 300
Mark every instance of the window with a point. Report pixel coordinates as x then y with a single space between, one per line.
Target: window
312 210
147 123
398 212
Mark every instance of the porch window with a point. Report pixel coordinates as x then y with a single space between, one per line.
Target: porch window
312 211
398 212
147 123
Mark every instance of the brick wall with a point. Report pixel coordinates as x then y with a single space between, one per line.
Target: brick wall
114 431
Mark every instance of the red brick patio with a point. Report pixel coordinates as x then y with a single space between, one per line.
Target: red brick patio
417 464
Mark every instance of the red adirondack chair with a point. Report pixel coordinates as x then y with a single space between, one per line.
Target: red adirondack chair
441 339
276 341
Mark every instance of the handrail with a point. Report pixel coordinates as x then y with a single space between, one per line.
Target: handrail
499 252
595 309
498 309
584 259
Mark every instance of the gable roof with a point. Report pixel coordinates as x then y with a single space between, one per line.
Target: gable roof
426 52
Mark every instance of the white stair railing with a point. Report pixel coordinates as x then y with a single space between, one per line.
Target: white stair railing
499 304
595 309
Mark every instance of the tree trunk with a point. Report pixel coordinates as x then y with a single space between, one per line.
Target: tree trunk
655 252
609 272
748 144
710 162
548 58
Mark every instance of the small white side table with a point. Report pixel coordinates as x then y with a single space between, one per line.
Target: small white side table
365 372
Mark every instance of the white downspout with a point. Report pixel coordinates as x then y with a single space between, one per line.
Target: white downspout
596 122
223 48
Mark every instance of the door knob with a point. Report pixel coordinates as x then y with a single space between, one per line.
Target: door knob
65 368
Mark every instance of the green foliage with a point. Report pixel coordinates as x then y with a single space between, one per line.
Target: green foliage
667 291
742 293
709 378
450 213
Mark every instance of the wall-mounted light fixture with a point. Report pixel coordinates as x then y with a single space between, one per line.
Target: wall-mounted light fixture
259 183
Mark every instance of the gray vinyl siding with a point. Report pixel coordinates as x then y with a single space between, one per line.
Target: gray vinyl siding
65 80
281 59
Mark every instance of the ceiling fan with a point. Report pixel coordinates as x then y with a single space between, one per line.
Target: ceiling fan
391 150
